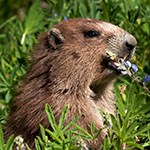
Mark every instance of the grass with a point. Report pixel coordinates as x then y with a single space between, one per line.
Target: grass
130 129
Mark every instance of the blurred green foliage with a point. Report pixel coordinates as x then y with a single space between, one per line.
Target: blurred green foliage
22 21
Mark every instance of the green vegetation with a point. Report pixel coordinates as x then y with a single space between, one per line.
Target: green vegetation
20 25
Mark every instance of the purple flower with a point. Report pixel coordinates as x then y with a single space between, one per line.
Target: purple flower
127 64
146 79
65 18
134 68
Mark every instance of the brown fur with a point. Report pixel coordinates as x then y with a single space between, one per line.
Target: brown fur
67 69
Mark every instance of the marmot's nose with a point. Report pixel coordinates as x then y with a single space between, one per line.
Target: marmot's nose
130 42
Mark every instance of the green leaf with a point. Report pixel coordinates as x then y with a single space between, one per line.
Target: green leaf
131 128
92 8
40 142
120 102
115 125
106 144
71 123
10 142
125 124
135 145
8 96
3 78
82 130
42 131
82 10
7 21
37 146
62 117
83 136
34 20
92 128
54 136
13 74
51 117
98 133
142 129
1 137
5 64
3 90
28 148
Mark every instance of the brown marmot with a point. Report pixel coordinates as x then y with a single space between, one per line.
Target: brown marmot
68 68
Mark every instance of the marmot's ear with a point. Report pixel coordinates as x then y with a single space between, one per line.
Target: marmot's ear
55 38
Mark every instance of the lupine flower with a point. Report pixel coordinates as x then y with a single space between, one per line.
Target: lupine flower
146 79
19 141
124 67
134 68
127 64
65 18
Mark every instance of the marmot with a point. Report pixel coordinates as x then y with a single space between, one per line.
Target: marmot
69 68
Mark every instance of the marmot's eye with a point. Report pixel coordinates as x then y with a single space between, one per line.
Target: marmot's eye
91 34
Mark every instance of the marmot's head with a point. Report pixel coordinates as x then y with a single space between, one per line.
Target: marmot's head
75 50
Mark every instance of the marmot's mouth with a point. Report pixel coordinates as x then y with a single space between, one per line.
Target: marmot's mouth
119 64
116 66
